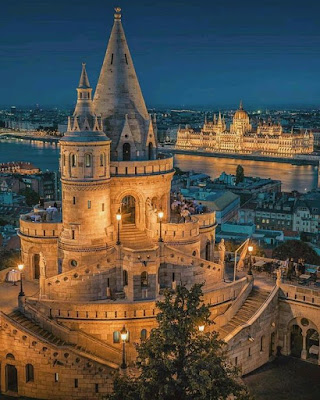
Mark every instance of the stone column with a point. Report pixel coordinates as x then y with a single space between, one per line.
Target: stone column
304 346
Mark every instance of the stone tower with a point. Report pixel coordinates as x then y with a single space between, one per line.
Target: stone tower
85 179
119 100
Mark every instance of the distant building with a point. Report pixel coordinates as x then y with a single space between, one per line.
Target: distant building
268 139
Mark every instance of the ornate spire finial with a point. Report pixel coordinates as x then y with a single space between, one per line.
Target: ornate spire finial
241 105
117 15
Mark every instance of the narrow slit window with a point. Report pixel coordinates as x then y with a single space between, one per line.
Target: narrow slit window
73 234
56 377
125 56
89 204
111 59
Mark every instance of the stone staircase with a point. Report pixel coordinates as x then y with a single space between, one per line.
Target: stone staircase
133 238
254 301
46 336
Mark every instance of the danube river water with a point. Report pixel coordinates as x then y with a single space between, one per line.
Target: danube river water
294 177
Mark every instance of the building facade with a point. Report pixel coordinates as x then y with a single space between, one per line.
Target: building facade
267 139
103 261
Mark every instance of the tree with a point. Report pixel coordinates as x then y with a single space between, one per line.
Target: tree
9 258
296 249
32 197
239 174
178 361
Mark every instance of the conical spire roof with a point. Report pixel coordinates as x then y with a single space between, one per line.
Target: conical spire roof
118 90
118 100
84 80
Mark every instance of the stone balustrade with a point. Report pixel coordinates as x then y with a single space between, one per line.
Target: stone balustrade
310 295
180 232
138 168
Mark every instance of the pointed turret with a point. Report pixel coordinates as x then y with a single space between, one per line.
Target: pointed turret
240 105
84 105
118 94
84 122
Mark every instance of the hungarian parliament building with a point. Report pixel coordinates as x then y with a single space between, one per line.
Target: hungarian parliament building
268 139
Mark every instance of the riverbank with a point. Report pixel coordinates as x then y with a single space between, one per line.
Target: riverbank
251 157
10 135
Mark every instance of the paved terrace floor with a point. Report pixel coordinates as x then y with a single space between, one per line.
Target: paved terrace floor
9 294
285 378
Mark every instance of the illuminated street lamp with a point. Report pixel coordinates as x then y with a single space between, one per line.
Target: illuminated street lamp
201 328
124 338
118 216
250 249
20 268
160 216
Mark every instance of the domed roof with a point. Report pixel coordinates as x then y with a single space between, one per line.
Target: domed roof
241 113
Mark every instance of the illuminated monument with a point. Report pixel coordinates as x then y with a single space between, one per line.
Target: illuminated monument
103 261
268 139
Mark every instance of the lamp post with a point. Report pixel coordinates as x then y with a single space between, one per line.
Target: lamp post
124 338
160 216
250 249
20 268
118 216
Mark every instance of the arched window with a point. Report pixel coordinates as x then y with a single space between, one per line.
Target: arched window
102 159
150 151
29 373
144 279
262 343
116 337
143 335
73 160
208 250
126 152
10 356
88 160
125 277
63 160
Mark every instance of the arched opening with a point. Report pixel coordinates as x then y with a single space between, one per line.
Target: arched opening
296 341
128 210
143 335
272 344
36 266
29 373
116 337
73 160
150 151
125 277
312 344
126 152
208 250
88 160
11 378
144 279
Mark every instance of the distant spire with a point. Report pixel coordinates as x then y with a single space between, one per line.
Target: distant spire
219 118
84 81
205 118
241 105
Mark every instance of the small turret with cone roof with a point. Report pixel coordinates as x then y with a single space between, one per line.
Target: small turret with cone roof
84 124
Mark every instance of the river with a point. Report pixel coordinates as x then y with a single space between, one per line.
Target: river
294 177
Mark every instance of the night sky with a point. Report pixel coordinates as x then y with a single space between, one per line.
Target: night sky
191 52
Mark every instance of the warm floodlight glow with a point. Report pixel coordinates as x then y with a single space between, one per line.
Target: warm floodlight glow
124 334
160 214
250 248
20 267
201 328
118 216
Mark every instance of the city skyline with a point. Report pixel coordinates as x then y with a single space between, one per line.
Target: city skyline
187 55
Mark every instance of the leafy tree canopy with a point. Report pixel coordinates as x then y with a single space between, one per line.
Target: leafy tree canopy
296 249
178 361
9 258
32 197
239 174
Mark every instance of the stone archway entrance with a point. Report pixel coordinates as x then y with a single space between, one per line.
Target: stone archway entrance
36 266
11 378
296 341
128 210
312 342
